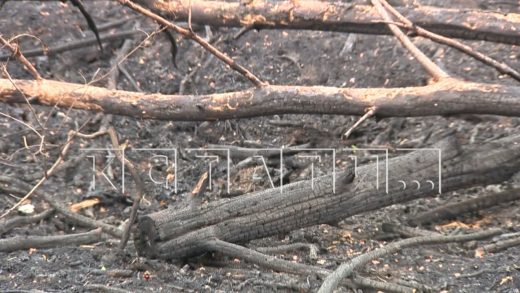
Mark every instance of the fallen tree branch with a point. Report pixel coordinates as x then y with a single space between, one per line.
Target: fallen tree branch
405 231
276 264
447 97
104 288
498 246
454 210
281 265
263 259
175 233
342 17
26 242
500 66
346 269
7 225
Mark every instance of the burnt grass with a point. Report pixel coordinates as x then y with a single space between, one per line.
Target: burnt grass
279 57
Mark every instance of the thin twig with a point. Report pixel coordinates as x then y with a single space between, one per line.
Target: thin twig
282 265
500 66
242 32
24 124
104 288
46 175
55 166
189 17
76 45
18 54
139 185
187 78
369 113
121 56
10 184
193 36
91 23
433 70
129 77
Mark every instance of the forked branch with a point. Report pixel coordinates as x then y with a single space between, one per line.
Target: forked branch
433 70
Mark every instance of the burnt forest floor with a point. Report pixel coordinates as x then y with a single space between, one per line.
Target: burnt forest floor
279 57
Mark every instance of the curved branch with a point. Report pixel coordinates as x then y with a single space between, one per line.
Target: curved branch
447 97
346 269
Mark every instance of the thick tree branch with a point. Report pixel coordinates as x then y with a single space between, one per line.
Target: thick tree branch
327 16
180 233
447 97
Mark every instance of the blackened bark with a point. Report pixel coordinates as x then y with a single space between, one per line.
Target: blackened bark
182 233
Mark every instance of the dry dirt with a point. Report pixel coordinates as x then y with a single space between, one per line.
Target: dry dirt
279 57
